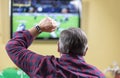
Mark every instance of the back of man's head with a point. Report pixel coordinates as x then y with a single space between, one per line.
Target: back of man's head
72 41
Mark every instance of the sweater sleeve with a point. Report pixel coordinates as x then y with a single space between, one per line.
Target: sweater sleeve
17 50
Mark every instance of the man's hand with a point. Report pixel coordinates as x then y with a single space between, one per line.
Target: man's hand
47 24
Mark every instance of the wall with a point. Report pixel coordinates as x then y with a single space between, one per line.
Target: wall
100 20
4 33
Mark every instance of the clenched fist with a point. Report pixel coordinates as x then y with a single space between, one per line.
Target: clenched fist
47 24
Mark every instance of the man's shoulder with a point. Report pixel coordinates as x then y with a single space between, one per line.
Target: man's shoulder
96 71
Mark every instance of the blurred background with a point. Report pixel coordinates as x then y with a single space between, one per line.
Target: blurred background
100 20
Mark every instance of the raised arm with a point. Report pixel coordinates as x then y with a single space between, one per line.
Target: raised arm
17 47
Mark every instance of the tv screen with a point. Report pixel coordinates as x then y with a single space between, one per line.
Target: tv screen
28 13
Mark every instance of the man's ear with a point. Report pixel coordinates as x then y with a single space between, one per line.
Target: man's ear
85 51
58 47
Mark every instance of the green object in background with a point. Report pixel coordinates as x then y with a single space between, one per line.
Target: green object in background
13 73
1 75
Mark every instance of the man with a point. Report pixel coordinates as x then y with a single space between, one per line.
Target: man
72 46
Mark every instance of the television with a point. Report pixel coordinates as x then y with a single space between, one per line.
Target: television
28 13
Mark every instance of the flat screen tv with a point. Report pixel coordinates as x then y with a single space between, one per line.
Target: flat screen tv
27 13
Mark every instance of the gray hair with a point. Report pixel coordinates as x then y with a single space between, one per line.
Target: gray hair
72 40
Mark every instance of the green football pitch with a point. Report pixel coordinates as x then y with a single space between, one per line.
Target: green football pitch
63 21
